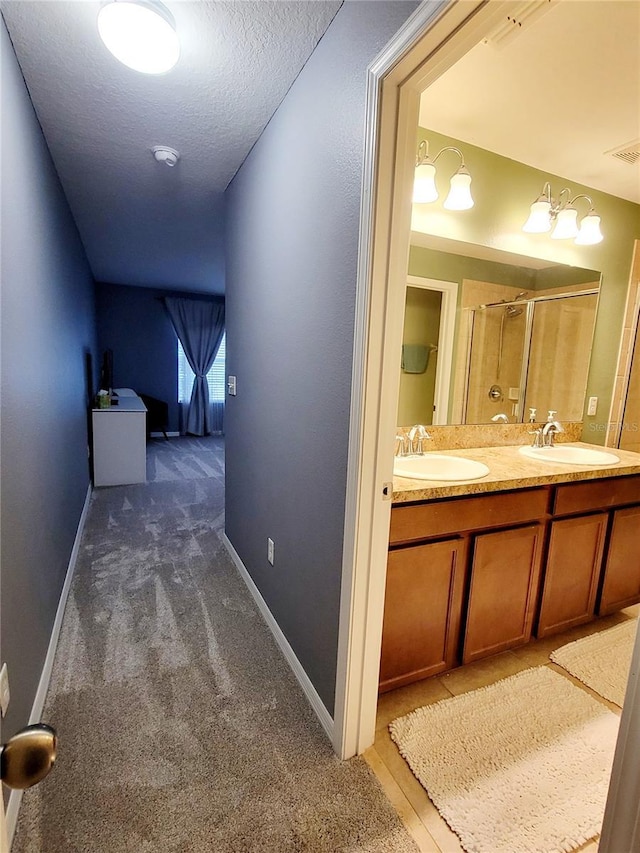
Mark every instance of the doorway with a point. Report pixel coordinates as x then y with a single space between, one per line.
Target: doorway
427 351
442 42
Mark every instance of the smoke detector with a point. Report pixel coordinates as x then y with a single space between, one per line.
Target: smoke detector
166 155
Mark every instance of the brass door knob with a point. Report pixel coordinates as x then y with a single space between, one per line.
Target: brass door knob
28 756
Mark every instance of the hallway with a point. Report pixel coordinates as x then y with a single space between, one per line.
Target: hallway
181 727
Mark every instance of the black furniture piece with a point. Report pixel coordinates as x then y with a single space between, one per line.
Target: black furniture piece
157 415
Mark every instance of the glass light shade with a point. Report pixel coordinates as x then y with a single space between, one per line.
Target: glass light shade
141 35
459 197
539 221
566 224
589 233
424 184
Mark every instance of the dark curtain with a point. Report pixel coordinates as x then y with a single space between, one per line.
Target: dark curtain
199 324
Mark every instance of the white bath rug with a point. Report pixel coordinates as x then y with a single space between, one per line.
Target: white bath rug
521 766
602 660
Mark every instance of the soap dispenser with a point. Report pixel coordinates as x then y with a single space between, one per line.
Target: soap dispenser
532 416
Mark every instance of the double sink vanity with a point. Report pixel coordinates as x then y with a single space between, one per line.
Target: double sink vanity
490 547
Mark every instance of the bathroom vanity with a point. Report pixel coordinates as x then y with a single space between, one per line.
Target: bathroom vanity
530 550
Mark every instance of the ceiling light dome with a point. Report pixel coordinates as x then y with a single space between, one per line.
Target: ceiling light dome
141 34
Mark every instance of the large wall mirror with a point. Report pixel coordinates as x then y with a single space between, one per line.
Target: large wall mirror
492 337
534 344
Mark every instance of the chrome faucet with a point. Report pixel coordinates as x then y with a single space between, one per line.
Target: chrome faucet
402 445
500 417
418 431
537 437
550 429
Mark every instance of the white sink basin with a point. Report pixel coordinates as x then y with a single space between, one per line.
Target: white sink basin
436 466
566 454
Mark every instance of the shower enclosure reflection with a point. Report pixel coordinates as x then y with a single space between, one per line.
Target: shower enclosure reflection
532 353
489 333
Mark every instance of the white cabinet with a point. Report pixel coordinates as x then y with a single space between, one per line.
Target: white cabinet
120 443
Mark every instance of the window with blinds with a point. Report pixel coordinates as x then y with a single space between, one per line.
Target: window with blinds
215 377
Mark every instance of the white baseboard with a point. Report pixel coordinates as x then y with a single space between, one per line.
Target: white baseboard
15 798
303 679
162 434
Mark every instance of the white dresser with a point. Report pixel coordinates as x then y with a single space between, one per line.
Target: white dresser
120 443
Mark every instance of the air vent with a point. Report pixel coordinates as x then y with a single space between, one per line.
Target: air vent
629 153
521 16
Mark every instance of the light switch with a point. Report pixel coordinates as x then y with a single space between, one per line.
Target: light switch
231 384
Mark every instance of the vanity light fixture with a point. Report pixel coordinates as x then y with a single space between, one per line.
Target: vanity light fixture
563 215
141 34
424 186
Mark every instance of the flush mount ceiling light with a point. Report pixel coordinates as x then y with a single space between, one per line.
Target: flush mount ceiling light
424 186
141 34
546 211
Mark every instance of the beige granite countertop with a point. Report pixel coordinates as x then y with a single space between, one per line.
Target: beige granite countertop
509 469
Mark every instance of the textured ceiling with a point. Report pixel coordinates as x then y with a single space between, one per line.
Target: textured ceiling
559 96
142 222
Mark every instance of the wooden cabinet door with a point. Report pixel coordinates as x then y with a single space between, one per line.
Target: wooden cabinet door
621 585
572 574
505 573
422 610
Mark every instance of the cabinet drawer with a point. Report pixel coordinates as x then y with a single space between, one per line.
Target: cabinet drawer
439 518
596 494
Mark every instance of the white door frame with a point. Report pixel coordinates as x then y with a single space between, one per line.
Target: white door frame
431 41
446 337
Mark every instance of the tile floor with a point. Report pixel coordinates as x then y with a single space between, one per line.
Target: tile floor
429 830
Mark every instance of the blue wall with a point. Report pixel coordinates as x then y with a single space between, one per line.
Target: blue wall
48 329
134 324
291 256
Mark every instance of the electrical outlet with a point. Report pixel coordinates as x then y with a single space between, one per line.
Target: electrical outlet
593 406
232 386
5 695
270 551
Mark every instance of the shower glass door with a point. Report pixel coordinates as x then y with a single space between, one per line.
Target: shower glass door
495 363
561 340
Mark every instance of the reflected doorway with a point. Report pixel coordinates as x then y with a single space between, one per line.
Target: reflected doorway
427 351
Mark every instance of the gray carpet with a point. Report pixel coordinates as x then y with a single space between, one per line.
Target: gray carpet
181 727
